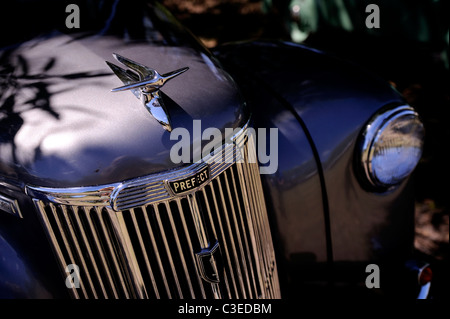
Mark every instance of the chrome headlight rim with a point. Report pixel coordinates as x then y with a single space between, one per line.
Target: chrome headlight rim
369 137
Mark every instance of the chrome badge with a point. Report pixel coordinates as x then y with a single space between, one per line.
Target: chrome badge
209 263
188 184
145 84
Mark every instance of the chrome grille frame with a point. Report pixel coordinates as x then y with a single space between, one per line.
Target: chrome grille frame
137 240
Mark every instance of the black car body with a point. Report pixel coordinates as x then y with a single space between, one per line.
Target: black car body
79 165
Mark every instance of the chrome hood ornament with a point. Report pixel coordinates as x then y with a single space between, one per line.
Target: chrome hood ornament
145 84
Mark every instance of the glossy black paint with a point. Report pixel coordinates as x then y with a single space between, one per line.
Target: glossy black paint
27 265
332 100
62 127
74 131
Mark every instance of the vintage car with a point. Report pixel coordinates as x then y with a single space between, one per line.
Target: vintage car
261 170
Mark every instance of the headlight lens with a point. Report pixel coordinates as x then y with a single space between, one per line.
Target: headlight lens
392 146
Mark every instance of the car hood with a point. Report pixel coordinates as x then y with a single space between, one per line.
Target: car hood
61 126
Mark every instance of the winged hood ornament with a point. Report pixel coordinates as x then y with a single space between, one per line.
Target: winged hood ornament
145 84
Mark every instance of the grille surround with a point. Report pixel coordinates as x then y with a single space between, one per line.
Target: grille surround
137 240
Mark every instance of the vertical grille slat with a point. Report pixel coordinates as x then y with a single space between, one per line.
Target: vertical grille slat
180 251
225 240
239 237
191 248
257 254
127 254
245 235
101 253
231 237
245 169
168 251
144 253
203 235
110 251
156 252
51 235
215 234
71 248
77 223
87 244
213 242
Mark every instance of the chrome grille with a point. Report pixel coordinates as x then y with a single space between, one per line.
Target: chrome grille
144 244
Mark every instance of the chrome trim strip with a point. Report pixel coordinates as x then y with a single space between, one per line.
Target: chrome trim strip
10 206
77 196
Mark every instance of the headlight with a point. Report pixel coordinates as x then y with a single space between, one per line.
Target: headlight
391 147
